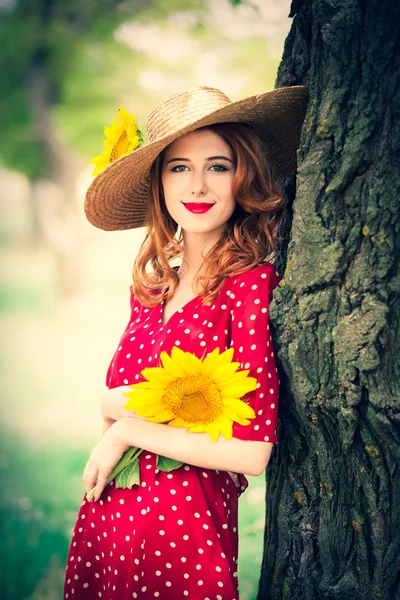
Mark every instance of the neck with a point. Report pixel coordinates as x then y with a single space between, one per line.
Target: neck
195 248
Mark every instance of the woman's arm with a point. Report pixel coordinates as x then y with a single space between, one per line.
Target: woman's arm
196 449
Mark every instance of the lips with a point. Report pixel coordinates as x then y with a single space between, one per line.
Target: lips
198 207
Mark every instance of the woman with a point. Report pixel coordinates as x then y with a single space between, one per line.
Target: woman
206 187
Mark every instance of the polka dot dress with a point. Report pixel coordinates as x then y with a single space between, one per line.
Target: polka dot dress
175 536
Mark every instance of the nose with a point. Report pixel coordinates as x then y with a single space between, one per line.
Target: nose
198 185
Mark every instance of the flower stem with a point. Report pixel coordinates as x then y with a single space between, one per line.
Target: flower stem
126 459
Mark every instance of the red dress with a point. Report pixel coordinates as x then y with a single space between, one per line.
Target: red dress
175 536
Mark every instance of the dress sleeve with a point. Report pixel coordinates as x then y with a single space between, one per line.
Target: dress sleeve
252 343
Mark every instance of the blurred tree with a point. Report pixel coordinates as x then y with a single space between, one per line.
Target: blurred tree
42 41
333 486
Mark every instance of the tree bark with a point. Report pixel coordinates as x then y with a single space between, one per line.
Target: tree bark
333 488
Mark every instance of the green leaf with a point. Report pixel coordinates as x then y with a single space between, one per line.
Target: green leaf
167 464
129 476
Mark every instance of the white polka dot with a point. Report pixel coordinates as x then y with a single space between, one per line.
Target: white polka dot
254 287
200 582
161 532
168 583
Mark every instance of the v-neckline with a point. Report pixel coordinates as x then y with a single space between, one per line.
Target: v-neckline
178 311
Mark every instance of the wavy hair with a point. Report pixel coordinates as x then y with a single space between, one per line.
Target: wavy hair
250 237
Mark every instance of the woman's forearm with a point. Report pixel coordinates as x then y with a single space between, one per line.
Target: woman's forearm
197 449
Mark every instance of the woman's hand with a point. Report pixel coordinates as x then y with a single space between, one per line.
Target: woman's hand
112 405
103 459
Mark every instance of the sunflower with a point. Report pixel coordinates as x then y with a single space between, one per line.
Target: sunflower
201 395
121 138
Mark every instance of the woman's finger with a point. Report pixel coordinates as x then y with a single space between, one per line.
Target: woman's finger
89 477
100 485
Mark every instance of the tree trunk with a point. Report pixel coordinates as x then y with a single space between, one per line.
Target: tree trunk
333 488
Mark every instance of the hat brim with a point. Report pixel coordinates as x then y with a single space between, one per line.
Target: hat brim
117 197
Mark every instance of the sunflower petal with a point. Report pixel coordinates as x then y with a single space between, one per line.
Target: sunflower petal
157 375
171 366
240 407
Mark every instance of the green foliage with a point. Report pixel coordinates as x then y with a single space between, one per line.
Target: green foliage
163 8
44 39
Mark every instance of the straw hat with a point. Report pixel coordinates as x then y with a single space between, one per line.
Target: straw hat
117 198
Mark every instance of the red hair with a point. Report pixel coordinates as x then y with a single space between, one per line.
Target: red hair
250 236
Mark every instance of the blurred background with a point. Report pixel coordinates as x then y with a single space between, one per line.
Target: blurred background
65 67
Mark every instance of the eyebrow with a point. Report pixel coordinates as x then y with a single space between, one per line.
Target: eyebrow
209 158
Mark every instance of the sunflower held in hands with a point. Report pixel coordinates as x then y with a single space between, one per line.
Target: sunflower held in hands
200 395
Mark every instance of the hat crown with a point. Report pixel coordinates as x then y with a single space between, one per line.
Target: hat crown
182 110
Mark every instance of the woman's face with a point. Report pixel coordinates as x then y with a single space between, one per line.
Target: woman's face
197 177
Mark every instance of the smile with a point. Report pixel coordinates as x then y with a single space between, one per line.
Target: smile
198 207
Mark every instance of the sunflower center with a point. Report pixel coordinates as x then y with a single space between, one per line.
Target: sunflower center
194 399
120 147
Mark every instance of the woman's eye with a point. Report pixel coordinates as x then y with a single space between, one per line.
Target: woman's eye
178 168
218 168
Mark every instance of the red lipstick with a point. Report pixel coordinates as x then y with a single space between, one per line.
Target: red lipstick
198 207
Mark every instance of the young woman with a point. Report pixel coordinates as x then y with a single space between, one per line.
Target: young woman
205 185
